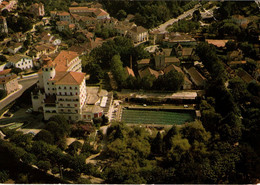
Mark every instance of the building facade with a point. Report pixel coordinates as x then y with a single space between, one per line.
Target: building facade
62 90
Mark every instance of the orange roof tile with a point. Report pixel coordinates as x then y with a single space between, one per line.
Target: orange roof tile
218 43
62 58
129 71
7 79
70 78
62 13
5 72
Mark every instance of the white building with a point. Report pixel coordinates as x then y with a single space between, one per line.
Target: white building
61 89
20 61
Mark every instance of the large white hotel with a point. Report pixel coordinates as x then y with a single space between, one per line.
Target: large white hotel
61 89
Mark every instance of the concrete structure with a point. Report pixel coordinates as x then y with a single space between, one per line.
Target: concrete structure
21 61
138 34
38 9
14 48
3 25
8 81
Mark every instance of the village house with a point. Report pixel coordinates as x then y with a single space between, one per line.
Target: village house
97 13
235 55
184 52
8 81
187 83
149 71
138 34
37 9
245 76
64 16
15 47
175 38
43 49
3 25
196 77
19 37
8 5
129 71
20 61
143 63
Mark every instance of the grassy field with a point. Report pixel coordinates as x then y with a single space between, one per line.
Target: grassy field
156 117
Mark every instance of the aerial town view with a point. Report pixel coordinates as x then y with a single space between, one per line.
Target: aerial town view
129 92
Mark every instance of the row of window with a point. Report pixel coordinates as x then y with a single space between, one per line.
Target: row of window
68 94
23 63
69 88
69 111
69 105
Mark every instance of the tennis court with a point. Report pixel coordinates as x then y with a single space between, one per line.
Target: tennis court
157 117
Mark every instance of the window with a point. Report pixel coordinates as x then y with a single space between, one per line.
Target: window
65 94
61 110
70 93
68 105
52 88
52 83
84 116
70 87
47 83
76 87
76 105
76 93
60 93
64 87
59 88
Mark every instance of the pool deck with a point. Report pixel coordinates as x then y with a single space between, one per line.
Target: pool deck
158 107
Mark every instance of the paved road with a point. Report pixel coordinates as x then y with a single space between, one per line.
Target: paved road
162 27
26 83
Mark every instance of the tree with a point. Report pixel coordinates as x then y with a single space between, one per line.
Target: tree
196 16
74 147
44 165
121 14
44 135
16 70
4 176
157 144
118 70
3 59
231 45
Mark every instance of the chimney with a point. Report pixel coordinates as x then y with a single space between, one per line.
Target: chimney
67 62
131 62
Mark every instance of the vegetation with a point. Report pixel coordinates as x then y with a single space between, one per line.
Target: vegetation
148 14
185 26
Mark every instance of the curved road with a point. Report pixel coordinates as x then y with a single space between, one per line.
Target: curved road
162 27
26 83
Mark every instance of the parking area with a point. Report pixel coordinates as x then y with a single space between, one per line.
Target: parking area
30 120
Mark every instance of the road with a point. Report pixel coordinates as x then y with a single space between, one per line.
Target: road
162 27
26 83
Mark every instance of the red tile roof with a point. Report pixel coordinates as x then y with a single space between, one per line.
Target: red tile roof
69 78
218 43
62 58
129 71
5 72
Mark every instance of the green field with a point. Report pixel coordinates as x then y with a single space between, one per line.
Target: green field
157 117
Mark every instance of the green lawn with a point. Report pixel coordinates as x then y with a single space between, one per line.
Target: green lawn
156 117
